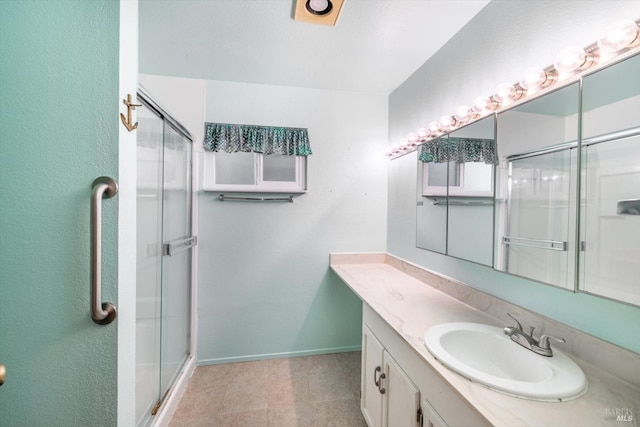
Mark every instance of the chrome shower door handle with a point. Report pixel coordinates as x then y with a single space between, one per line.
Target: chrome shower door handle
103 187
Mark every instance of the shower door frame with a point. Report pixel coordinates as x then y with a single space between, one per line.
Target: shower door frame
168 399
572 148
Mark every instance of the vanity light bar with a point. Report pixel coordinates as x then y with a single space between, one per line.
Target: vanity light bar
621 39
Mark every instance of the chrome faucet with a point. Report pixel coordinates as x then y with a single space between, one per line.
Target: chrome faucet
539 346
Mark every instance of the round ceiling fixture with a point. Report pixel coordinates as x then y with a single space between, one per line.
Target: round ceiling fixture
319 7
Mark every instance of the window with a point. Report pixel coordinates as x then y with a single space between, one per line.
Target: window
254 172
255 158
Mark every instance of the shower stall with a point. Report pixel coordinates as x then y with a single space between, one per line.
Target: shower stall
164 251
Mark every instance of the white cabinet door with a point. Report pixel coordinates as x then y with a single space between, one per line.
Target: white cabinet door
402 401
431 417
371 399
389 398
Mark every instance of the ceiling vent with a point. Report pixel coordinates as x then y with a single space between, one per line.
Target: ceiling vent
323 12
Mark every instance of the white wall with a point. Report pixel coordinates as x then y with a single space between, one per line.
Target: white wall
496 46
265 288
183 98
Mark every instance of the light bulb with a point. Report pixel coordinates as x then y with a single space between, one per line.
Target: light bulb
480 104
535 78
504 92
483 103
446 122
412 138
433 128
619 35
573 58
319 7
463 113
422 133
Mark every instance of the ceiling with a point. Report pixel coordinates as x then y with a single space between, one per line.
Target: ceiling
374 47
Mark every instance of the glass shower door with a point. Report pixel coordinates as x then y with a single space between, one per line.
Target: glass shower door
149 261
164 241
536 237
176 260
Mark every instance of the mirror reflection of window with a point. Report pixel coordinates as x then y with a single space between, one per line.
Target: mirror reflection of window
431 207
440 174
455 193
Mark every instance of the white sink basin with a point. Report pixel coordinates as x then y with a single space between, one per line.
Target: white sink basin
484 354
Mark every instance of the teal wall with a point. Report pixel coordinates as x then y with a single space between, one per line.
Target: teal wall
494 47
59 115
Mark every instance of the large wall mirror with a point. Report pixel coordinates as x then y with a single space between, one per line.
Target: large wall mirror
610 182
566 208
455 193
536 188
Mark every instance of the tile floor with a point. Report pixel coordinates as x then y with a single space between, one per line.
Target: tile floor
307 391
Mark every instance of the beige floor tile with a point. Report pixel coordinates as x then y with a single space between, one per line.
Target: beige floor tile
251 371
197 402
238 419
298 415
309 391
323 364
243 419
303 366
245 395
350 361
341 413
329 386
288 391
294 367
212 374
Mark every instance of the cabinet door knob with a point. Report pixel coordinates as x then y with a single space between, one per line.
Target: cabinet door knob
375 376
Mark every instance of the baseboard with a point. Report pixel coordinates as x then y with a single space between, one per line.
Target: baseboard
284 355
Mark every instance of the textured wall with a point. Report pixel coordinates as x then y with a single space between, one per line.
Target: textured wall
265 287
496 46
59 115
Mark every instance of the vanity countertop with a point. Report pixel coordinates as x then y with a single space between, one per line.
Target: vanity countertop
410 307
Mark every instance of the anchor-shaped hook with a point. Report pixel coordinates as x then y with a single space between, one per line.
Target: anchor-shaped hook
130 107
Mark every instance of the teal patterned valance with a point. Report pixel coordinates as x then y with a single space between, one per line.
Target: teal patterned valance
461 150
232 138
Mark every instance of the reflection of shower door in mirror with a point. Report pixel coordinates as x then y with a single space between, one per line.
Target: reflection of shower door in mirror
611 220
535 240
164 197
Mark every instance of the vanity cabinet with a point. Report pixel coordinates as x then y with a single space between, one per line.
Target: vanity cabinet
389 397
415 395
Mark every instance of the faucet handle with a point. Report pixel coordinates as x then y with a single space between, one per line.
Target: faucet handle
544 341
516 320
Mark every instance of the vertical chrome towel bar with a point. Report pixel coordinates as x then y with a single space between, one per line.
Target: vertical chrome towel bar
101 313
